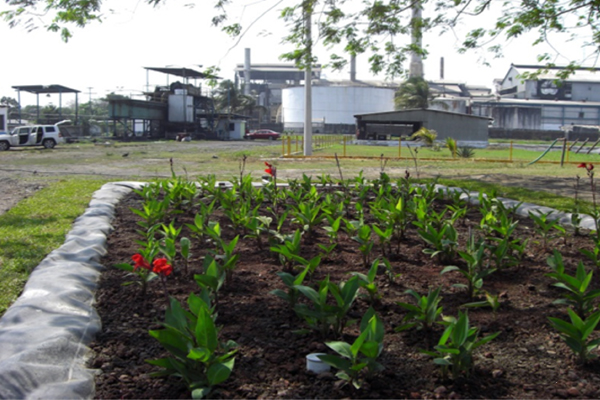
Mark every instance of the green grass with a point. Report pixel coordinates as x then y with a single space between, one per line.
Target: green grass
501 154
35 227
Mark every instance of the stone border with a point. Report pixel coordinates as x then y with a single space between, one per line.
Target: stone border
44 335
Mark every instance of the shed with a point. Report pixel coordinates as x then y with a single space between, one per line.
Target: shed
466 129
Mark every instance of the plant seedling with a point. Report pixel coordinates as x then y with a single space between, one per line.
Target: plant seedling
577 296
290 281
424 314
196 355
576 333
358 361
454 351
368 283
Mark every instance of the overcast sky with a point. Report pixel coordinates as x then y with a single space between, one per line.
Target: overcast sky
110 56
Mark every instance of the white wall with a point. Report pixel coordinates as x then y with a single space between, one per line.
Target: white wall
337 104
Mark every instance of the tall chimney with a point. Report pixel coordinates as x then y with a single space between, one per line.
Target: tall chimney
442 68
353 68
247 72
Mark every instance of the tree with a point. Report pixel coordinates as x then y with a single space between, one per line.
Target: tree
229 99
13 106
376 28
413 93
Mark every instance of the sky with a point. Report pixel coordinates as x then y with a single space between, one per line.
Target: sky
110 56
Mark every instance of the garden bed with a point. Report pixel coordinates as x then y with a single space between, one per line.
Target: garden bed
527 359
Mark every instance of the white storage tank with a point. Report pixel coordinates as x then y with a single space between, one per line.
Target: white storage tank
335 104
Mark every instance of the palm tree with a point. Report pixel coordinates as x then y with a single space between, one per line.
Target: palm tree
413 93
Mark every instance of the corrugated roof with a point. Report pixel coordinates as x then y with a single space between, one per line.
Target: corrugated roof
580 75
37 89
419 110
183 72
534 102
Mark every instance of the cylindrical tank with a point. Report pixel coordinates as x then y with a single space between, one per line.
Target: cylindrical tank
335 104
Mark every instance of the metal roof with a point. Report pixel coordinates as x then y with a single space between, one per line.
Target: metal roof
37 89
537 102
267 72
183 72
415 113
579 75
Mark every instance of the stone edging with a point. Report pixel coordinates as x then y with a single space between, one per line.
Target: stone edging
44 335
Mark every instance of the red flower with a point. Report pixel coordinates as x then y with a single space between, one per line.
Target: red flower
271 170
139 261
161 267
586 166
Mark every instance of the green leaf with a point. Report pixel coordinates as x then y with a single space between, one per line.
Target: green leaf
200 393
124 267
309 292
206 332
442 361
370 349
218 373
201 354
336 362
342 348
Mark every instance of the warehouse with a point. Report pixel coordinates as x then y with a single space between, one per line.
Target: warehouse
467 130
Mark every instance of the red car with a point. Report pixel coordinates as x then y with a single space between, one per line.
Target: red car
263 134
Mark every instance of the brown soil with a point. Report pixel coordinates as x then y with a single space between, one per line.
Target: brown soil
527 360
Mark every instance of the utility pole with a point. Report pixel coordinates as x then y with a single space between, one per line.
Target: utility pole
308 84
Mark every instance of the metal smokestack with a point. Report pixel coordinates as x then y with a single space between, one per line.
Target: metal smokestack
353 68
247 72
442 68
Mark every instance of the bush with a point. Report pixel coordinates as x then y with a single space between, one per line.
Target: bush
465 152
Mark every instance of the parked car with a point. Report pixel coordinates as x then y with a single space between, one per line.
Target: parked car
31 135
263 134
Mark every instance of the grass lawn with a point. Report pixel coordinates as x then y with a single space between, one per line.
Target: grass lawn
35 227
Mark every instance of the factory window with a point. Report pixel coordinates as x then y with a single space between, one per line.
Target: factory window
232 127
581 114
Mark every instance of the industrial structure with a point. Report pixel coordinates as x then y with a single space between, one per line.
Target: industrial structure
467 130
176 110
544 102
280 89
48 90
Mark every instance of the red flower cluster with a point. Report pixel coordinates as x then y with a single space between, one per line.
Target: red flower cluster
271 170
588 167
159 266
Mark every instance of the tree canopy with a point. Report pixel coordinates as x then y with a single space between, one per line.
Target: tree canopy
378 28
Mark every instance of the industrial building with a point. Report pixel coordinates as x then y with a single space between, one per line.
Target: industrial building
467 130
280 88
176 110
544 102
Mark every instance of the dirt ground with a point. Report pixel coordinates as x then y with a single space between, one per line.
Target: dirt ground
526 360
